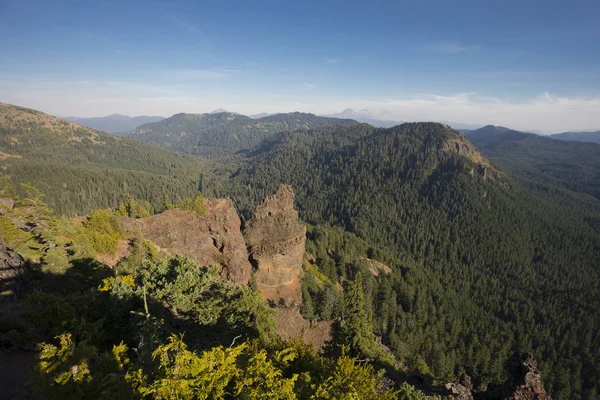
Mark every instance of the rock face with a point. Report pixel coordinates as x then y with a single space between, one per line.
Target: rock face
276 240
524 381
12 265
274 236
213 238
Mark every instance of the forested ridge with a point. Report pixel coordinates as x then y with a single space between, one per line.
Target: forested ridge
484 264
546 160
485 261
80 169
221 134
591 137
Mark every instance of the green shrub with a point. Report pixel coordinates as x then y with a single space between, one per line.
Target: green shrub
12 236
104 231
196 205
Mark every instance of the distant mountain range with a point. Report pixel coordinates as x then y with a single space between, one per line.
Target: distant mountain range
492 132
115 124
569 164
382 120
123 125
224 133
222 110
261 115
593 137
366 116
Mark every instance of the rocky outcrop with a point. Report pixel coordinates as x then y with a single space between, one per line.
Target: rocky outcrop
460 145
462 390
376 268
212 238
524 381
274 237
12 266
276 240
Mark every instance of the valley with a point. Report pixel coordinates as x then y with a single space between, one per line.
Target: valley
432 254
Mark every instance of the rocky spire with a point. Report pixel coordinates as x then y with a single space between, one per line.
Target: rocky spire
276 239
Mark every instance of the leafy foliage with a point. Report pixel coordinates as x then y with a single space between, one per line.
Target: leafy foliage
118 334
103 230
482 264
197 205
130 207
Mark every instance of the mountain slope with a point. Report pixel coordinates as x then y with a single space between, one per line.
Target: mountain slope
116 124
565 164
222 134
483 265
593 137
79 168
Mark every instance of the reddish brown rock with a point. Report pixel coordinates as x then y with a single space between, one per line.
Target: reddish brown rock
213 238
276 240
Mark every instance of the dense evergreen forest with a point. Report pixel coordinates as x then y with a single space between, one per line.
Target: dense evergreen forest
80 169
484 261
152 326
222 134
568 164
483 265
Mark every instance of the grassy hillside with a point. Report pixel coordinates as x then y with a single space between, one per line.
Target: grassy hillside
80 169
222 134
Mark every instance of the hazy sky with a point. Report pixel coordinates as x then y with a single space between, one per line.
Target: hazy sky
526 64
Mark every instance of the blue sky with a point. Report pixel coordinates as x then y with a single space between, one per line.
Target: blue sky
527 64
